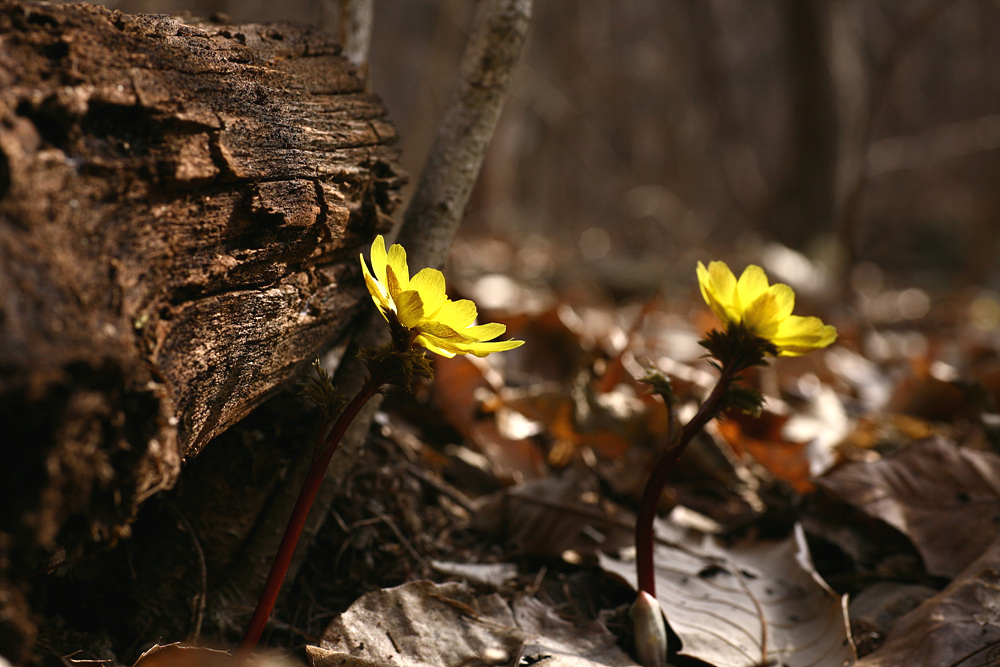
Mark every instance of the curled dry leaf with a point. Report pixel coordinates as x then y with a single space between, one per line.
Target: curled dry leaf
958 627
944 497
422 624
747 605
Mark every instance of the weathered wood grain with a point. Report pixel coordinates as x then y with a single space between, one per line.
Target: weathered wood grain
181 210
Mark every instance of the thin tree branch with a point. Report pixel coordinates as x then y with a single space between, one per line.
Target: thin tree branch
464 133
446 181
354 31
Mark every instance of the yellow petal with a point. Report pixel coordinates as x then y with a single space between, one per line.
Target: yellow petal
443 332
457 314
751 285
761 317
409 308
421 305
485 331
431 344
430 284
801 327
379 294
765 314
397 262
483 349
798 335
718 285
784 296
453 345
379 258
392 283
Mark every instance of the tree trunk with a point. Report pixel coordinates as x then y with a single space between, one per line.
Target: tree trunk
181 211
804 207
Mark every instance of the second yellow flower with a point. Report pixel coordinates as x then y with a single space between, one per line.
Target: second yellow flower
764 310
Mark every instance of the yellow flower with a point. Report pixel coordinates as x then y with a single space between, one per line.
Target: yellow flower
420 305
764 310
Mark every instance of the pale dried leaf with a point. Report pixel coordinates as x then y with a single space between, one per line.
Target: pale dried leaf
958 627
945 498
179 655
565 644
422 624
822 423
490 575
747 605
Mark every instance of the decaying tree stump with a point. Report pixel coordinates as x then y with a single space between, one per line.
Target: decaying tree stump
181 210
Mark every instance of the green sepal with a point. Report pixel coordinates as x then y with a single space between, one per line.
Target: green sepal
746 400
659 383
400 366
320 390
736 348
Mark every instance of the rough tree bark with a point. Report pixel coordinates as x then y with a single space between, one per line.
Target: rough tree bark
181 210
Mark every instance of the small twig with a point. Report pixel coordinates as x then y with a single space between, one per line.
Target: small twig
399 534
70 660
536 584
471 115
202 597
457 496
340 521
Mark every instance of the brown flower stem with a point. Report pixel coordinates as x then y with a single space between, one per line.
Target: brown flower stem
300 513
644 537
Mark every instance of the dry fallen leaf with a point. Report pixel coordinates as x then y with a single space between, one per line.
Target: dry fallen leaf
958 627
761 438
944 497
746 605
423 624
551 516
929 398
490 575
179 655
461 384
875 610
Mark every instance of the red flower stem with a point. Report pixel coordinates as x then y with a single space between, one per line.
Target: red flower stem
279 568
645 573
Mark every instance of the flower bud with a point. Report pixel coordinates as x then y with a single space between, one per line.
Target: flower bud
650 630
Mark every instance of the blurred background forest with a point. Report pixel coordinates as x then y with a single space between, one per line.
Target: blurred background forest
642 136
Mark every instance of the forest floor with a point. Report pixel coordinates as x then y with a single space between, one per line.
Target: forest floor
856 515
